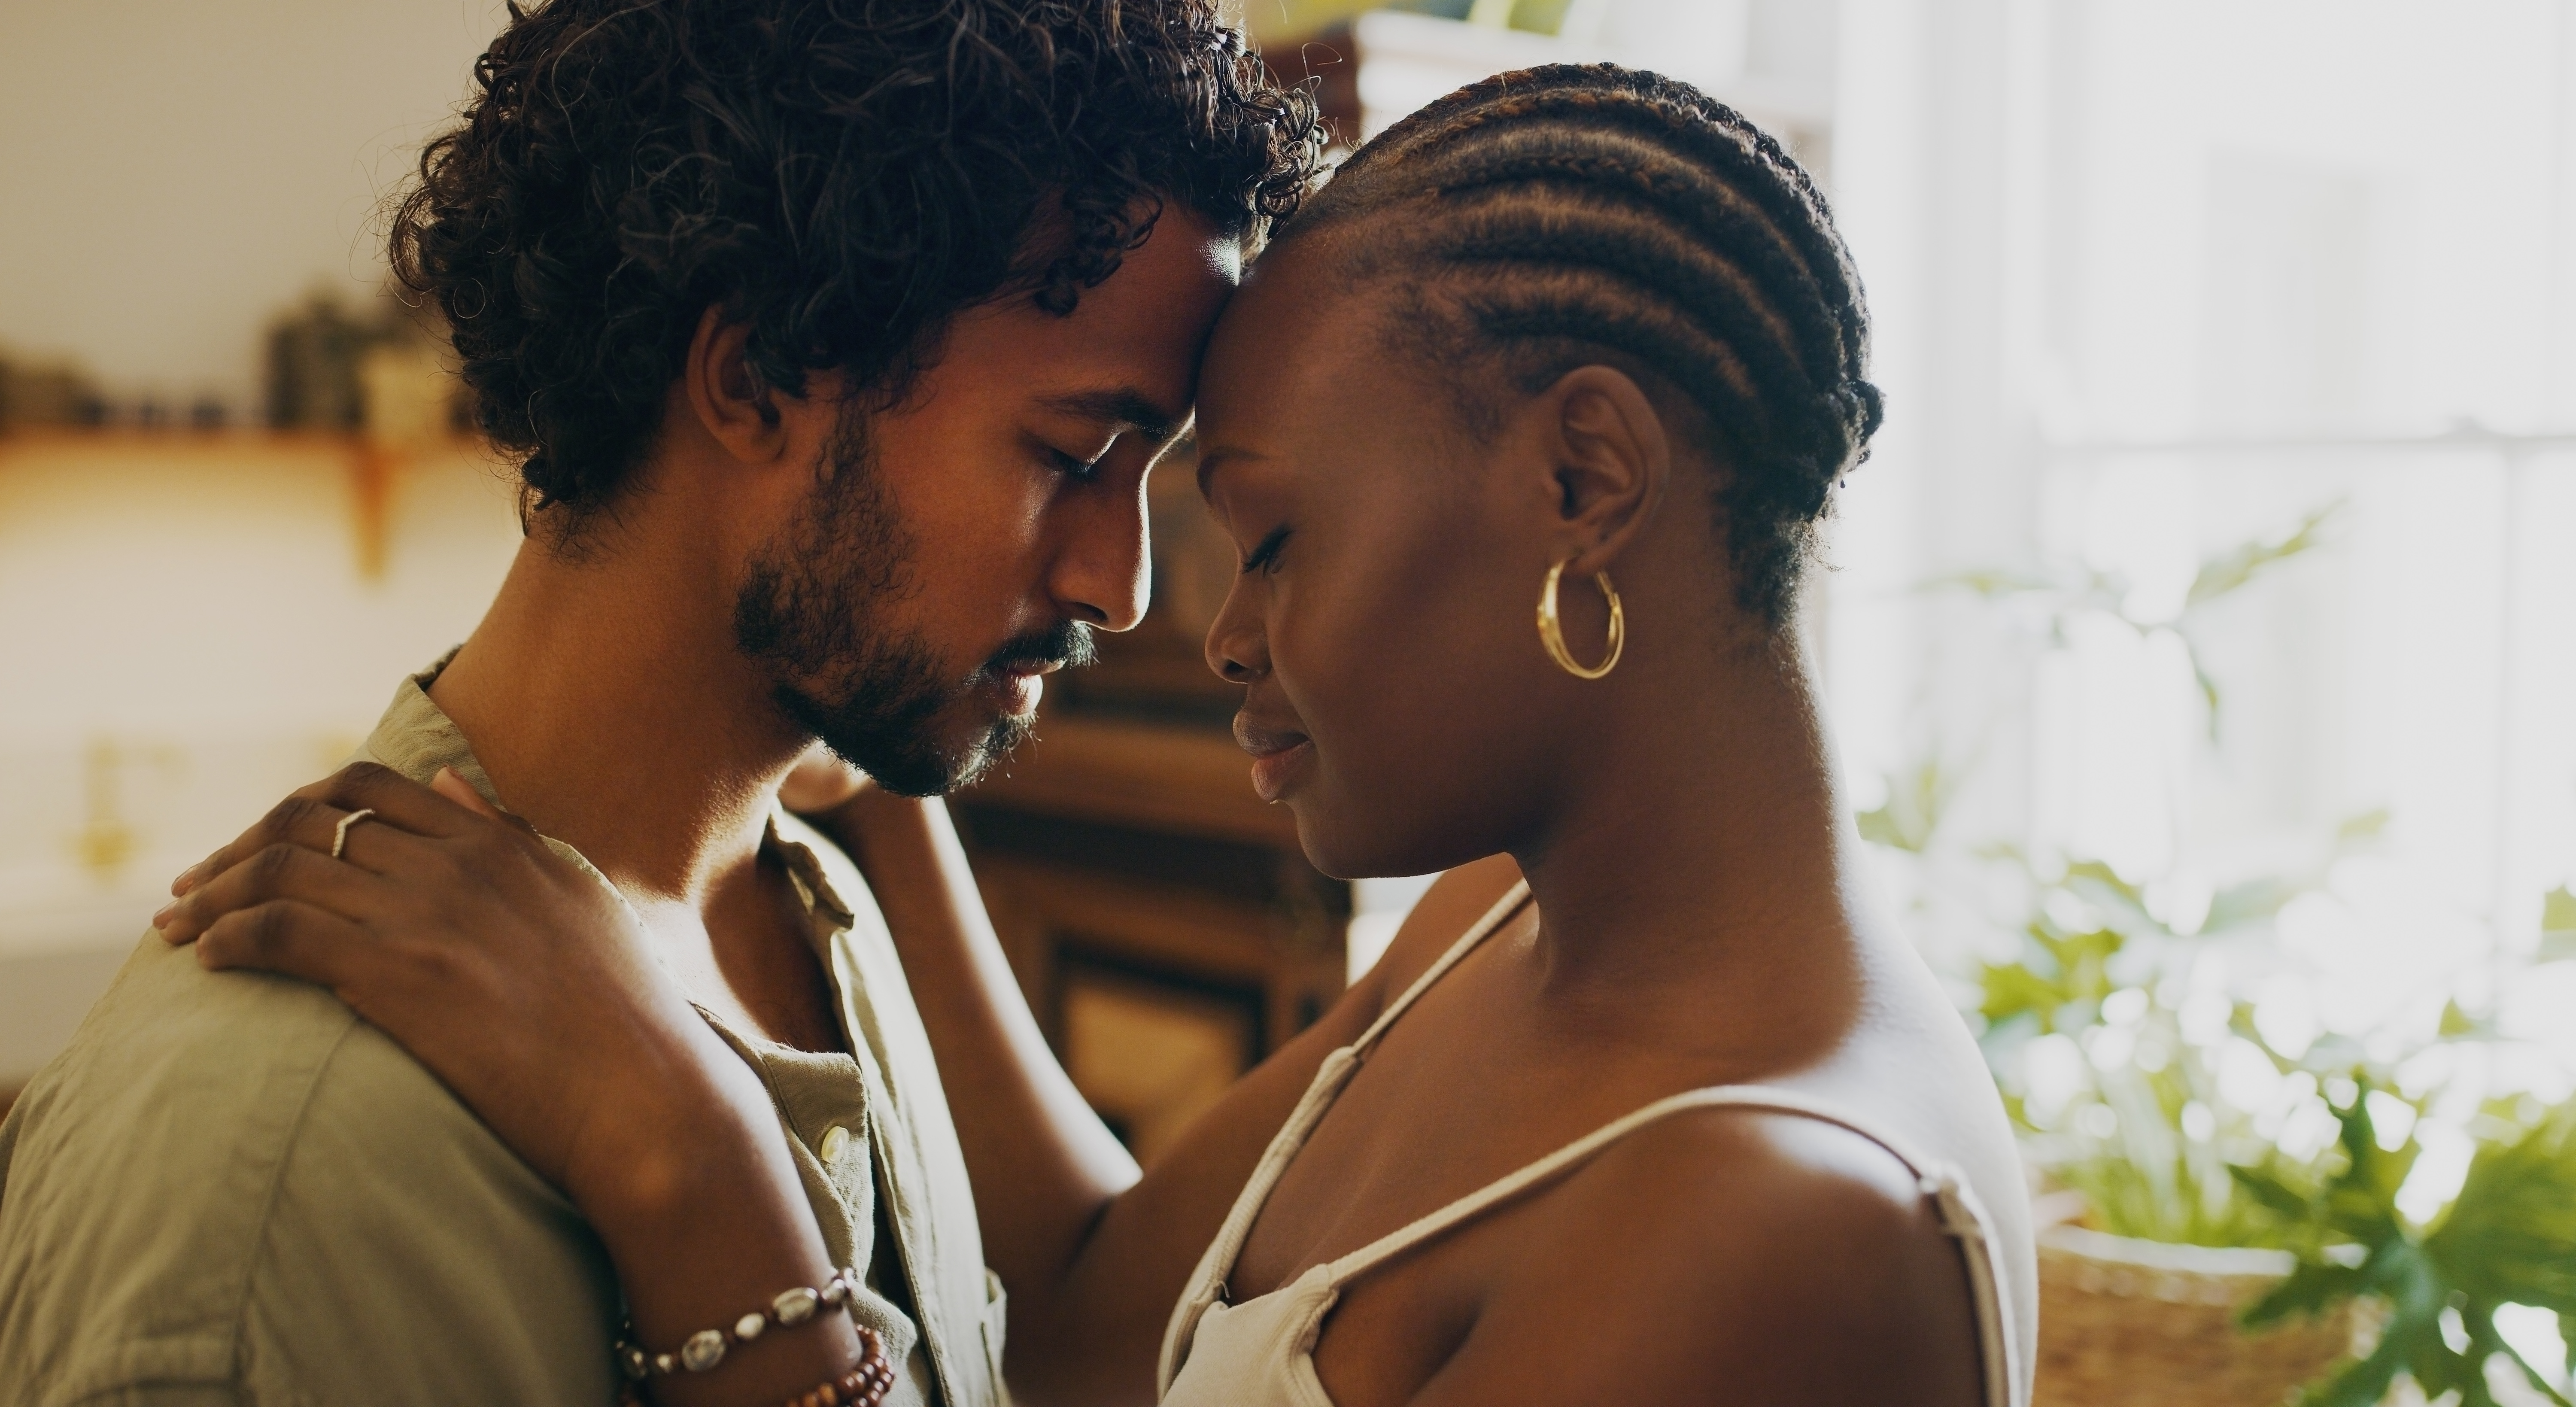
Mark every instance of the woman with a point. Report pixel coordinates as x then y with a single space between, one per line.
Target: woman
1647 1108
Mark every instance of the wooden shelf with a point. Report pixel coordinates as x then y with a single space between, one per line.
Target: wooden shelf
369 465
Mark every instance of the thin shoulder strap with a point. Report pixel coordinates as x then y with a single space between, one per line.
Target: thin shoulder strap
1476 933
1962 1216
1207 1282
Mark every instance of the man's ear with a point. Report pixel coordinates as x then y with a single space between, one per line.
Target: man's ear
1613 463
738 409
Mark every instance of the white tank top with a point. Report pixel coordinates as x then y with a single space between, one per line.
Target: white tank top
1260 1353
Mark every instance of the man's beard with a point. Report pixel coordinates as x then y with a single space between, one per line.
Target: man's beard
813 607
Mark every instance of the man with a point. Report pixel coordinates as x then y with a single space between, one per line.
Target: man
836 342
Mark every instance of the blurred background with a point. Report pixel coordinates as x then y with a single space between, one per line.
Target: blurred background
2200 638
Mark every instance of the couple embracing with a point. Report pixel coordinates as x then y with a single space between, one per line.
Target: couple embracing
599 1035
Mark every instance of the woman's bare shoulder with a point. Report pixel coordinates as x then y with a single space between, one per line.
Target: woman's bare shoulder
1728 1255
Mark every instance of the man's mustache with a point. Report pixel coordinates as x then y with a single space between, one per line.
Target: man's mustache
1067 645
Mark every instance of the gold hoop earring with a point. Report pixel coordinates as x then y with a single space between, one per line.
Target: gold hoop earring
1551 630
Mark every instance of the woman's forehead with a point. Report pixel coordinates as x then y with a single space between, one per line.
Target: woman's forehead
1292 330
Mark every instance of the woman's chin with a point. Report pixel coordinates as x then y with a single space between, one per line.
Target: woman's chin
1341 850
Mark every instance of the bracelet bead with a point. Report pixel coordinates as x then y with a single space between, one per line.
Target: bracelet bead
704 1350
864 1386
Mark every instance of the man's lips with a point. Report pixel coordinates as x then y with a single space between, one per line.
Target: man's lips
1277 754
1020 682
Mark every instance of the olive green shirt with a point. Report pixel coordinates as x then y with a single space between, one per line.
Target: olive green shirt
230 1189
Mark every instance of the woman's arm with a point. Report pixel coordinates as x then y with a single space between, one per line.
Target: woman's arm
1094 1256
519 980
522 983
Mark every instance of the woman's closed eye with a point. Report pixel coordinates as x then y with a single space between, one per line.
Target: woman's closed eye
1265 557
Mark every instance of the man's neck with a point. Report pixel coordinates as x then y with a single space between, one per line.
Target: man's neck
604 699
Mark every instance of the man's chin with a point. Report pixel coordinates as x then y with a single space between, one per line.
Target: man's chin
924 766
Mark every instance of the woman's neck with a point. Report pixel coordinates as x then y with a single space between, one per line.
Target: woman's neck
1697 859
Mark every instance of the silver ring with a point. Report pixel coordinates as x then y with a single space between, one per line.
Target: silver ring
340 837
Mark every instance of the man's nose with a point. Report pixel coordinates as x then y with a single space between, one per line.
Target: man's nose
1105 573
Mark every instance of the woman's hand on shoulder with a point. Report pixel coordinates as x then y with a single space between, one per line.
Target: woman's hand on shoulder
515 975
1733 1256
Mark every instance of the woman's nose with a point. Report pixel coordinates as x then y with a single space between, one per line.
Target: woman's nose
1236 647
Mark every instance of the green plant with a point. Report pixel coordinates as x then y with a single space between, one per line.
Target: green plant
2065 592
2138 1123
2111 1025
2508 1237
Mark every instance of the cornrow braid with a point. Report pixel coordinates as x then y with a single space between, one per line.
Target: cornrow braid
1568 215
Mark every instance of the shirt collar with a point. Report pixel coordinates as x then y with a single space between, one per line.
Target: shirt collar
416 737
812 878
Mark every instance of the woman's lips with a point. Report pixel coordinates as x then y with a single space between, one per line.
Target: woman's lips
1271 771
1277 754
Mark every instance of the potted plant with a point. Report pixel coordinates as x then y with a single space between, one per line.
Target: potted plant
2201 1257
2508 1238
2111 1064
2226 1220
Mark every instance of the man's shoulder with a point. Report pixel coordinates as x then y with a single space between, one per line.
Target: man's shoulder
170 1054
218 1154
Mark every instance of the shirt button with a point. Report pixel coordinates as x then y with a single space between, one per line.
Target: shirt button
835 1140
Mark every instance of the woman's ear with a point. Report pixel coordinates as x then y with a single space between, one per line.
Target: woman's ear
738 409
1613 463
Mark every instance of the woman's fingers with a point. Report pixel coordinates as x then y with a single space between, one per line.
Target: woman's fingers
287 937
311 817
455 788
281 871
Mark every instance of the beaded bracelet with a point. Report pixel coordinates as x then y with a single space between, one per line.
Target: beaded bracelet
866 1385
863 1386
706 1348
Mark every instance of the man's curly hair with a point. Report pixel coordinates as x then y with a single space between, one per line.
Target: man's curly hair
842 177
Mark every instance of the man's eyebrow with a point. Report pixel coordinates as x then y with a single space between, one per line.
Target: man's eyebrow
1123 405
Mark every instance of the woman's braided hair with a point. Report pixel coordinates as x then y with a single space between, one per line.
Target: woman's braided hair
1565 216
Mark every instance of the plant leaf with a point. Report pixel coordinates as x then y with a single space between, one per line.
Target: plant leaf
2249 902
1991 583
2264 1187
2313 1288
2012 989
2557 925
2459 1025
2232 570
2356 830
2360 1384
